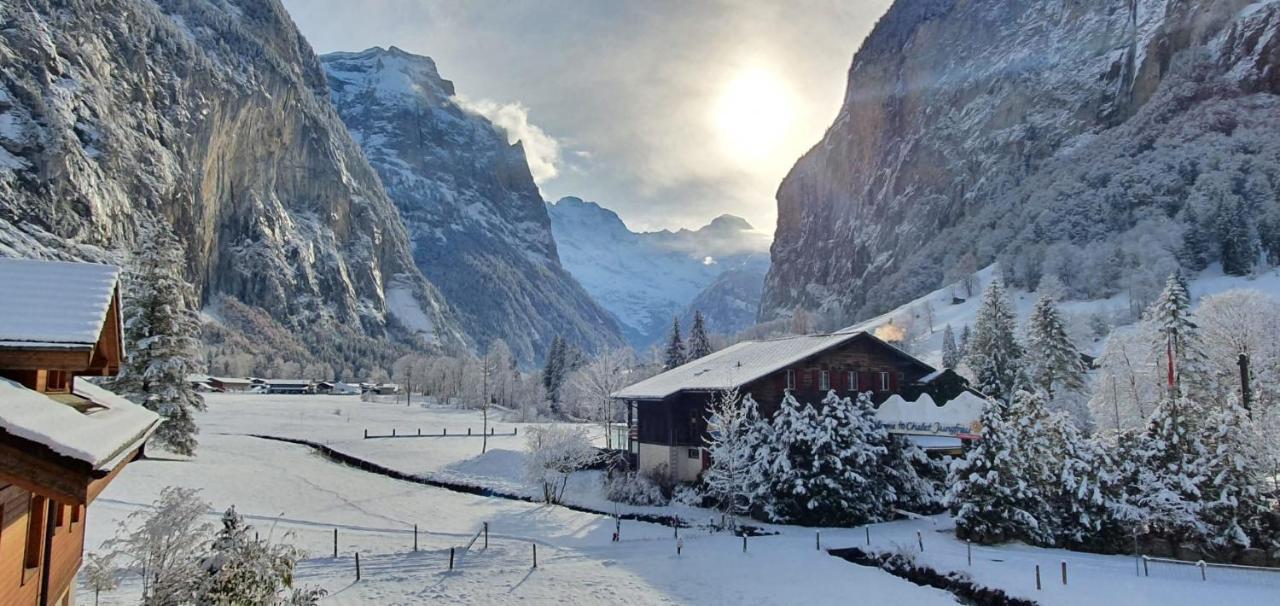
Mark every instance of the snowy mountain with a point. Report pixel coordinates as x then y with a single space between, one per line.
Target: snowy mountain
646 278
212 116
1087 140
477 222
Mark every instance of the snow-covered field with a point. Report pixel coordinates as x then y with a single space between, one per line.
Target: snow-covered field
296 495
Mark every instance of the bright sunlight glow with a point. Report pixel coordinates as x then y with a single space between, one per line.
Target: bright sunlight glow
753 114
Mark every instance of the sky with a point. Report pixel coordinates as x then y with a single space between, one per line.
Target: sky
670 113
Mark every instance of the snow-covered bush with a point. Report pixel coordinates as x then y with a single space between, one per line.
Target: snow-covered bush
634 489
164 543
687 496
736 433
240 568
554 453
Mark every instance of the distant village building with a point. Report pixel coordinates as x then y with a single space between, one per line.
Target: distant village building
667 413
291 386
337 388
62 439
230 384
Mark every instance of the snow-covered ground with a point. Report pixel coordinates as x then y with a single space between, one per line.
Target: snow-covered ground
298 496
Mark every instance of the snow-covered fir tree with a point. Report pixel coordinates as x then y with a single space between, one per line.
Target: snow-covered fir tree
997 492
993 352
1053 363
1236 502
674 355
1178 338
733 427
965 335
1237 244
1092 512
823 465
555 371
913 476
1171 480
950 351
860 449
1194 252
161 335
699 342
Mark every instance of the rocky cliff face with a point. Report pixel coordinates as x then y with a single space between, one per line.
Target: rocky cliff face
212 116
477 222
999 127
646 278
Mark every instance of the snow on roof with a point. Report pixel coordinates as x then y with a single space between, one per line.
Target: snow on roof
961 410
99 436
734 365
36 311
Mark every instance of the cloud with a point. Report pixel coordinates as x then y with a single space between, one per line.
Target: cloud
541 149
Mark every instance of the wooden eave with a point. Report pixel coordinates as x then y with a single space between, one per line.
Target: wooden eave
100 358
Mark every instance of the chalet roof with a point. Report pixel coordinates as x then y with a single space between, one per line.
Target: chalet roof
36 310
742 363
99 433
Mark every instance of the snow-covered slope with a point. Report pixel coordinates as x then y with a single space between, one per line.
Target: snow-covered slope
212 116
477 222
646 278
1088 321
1040 133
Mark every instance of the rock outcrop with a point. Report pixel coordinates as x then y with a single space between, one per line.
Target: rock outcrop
996 128
478 225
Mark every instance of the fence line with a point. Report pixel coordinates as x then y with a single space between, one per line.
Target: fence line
1208 571
444 433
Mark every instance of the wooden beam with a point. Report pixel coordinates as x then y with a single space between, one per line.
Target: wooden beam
99 484
42 475
72 360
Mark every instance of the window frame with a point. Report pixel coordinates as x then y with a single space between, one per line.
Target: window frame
853 380
790 379
885 384
824 380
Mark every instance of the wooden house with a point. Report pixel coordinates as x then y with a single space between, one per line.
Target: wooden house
667 413
62 438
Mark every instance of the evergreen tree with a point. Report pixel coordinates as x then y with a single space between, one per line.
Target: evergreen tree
993 352
1179 337
161 337
912 475
823 467
554 372
674 355
1236 244
998 491
1053 363
965 336
950 351
1090 500
699 342
1194 252
1170 479
1235 500
733 427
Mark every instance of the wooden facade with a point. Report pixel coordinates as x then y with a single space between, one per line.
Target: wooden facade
673 430
44 495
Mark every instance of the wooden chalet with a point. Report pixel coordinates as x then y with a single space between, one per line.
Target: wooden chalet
667 413
62 439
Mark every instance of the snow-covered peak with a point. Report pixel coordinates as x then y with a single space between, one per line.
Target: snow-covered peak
390 74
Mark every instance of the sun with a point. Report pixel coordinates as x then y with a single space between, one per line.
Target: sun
753 114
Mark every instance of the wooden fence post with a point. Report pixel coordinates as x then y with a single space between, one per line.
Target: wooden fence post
335 543
366 433
920 540
868 529
968 549
393 432
1037 577
444 432
1064 572
451 558
817 541
1146 572
486 535
415 538
468 431
1202 568
515 430
744 542
357 565
535 555
419 431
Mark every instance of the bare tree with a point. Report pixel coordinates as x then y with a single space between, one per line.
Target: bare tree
592 387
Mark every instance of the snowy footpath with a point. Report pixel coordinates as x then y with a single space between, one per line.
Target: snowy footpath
293 494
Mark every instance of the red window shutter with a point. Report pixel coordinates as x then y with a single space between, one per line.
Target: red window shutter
893 381
864 381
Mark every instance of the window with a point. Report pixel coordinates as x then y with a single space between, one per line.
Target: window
693 453
853 380
884 381
824 380
35 532
791 379
56 381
